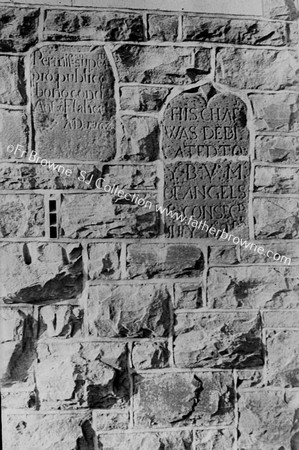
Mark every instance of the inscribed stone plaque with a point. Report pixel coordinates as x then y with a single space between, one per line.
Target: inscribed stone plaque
209 179
73 103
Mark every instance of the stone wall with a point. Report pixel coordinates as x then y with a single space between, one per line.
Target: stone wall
121 327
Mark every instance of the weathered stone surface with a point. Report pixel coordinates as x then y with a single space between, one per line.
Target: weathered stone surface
150 355
18 28
164 261
143 99
73 102
268 419
18 329
275 112
97 216
48 431
188 295
280 9
227 254
12 88
85 177
74 375
280 149
253 287
283 358
36 273
140 138
35 176
136 176
13 131
60 321
257 69
277 180
279 253
113 420
21 216
181 399
276 218
147 441
95 25
19 395
232 31
218 340
249 378
281 319
104 261
206 194
16 324
163 28
128 310
214 439
165 65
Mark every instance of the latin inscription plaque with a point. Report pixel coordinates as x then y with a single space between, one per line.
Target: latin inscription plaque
209 177
73 102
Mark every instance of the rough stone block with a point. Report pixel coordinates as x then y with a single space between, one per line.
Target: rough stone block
218 340
18 28
12 88
136 176
21 216
257 69
35 176
13 131
164 65
214 439
60 321
188 295
232 31
163 28
277 180
16 324
253 287
250 378
276 218
73 103
18 388
280 9
268 420
275 112
283 358
143 99
140 138
99 216
74 375
226 254
150 355
278 149
48 431
284 254
104 261
164 261
147 441
113 420
33 273
95 25
281 319
128 311
182 399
